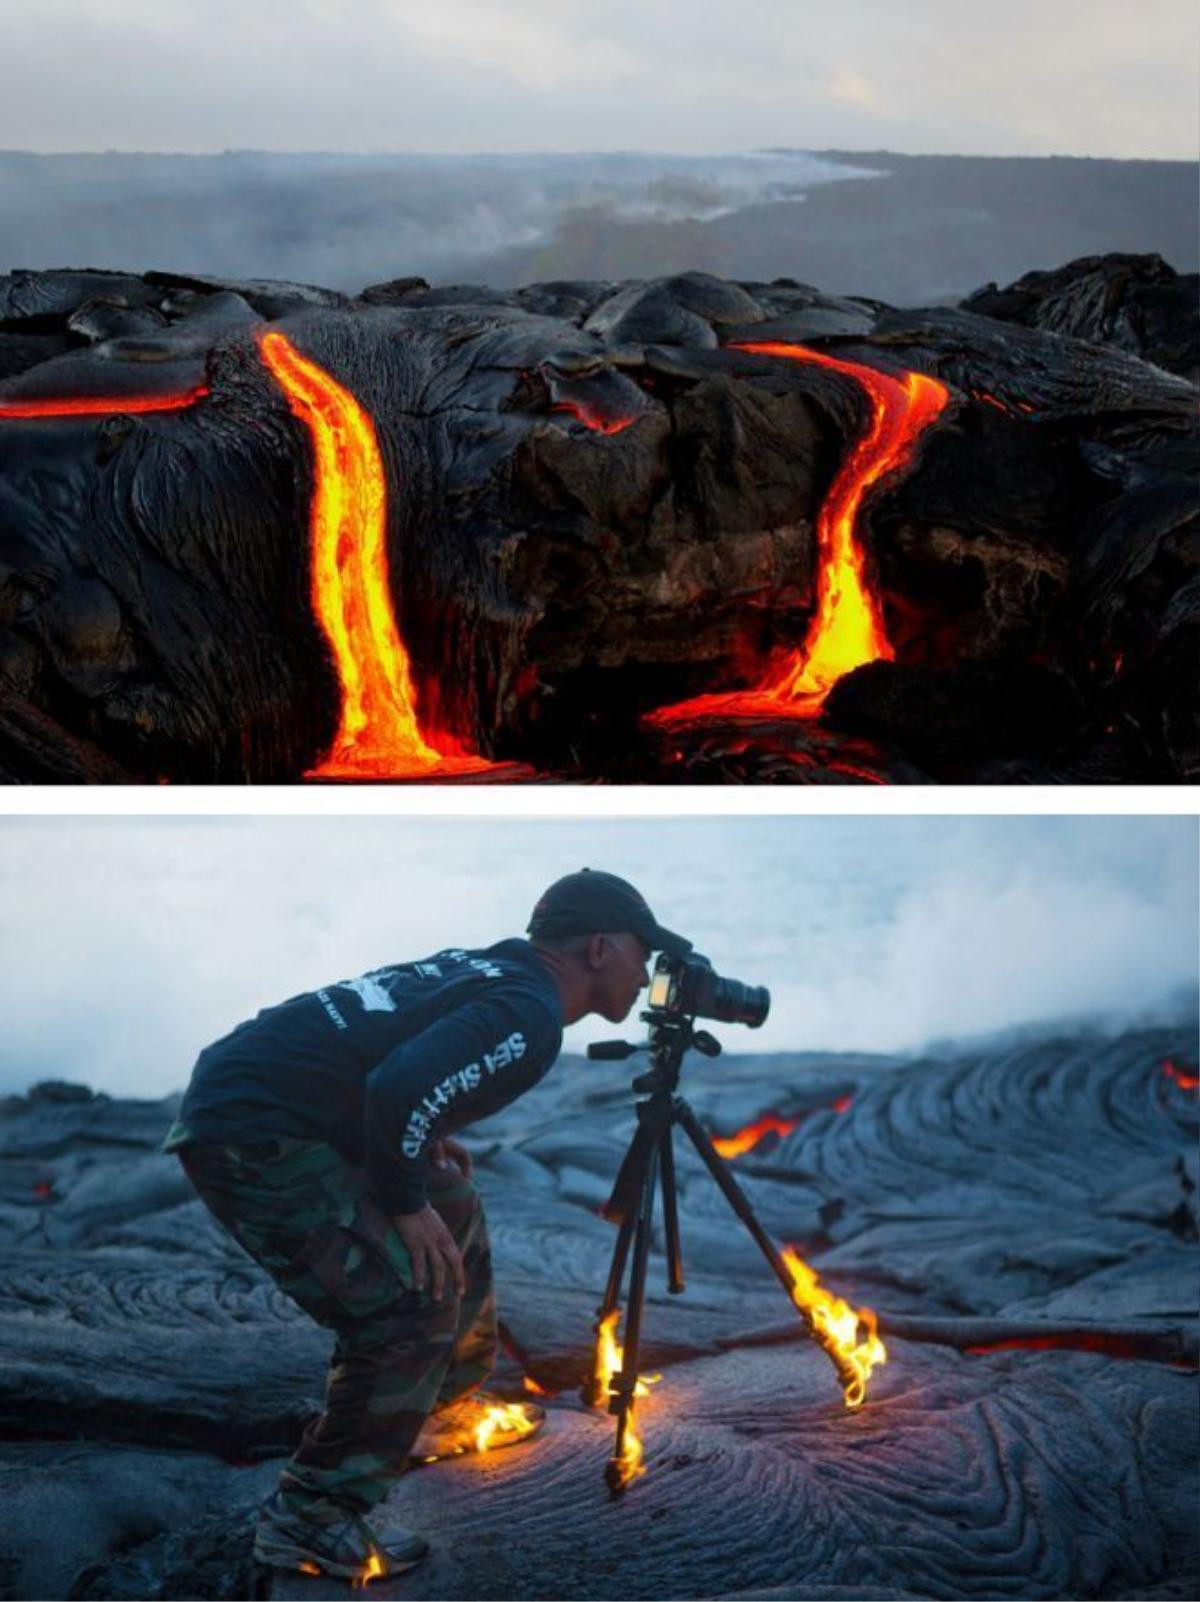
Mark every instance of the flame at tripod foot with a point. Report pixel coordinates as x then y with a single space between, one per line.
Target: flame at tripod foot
848 1336
627 1465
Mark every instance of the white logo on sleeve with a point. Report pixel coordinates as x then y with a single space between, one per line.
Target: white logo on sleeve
422 1118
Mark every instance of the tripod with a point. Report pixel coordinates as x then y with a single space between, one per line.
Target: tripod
649 1164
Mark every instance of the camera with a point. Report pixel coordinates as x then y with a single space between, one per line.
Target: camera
689 987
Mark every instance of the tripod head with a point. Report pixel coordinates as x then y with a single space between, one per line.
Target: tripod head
672 1036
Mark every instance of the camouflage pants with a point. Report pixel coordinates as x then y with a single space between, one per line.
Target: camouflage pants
301 1211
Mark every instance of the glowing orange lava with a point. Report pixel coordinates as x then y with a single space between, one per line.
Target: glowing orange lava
380 735
592 419
102 405
1073 1341
848 628
1185 1081
849 1337
744 1140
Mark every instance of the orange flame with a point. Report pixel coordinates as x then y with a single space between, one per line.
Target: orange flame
532 1386
836 1325
848 628
510 1418
379 736
610 1359
308 1568
99 405
1185 1081
375 1567
744 1140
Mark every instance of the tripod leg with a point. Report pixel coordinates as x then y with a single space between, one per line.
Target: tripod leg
732 1191
593 1392
666 1155
627 1450
852 1379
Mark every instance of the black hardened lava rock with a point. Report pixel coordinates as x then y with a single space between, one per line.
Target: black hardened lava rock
597 505
1135 303
1021 1215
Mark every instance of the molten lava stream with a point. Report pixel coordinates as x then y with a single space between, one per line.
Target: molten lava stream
1181 1077
745 1139
848 627
380 736
102 405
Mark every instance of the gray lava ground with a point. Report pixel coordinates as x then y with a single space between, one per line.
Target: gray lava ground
1038 1200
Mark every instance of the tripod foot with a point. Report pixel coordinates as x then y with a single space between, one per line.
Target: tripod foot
615 1477
593 1393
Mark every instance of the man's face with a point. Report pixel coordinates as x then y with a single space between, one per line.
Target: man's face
619 974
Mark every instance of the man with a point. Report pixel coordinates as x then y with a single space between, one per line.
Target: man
318 1133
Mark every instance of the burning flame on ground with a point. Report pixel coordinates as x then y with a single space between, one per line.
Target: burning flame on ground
836 1325
848 628
610 1359
380 735
101 405
1185 1081
375 1567
509 1419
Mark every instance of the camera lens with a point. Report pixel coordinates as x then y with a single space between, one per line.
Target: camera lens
731 1001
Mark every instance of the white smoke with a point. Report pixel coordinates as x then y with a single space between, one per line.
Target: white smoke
345 221
128 943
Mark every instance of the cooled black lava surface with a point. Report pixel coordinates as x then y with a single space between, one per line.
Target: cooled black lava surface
553 581
1022 1217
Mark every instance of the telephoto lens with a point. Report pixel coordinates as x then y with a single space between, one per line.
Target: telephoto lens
690 987
730 1001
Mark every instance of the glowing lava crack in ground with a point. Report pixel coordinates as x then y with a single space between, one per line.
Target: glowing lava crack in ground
380 735
102 405
848 628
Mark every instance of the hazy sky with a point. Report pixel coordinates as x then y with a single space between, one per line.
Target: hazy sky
128 943
1101 78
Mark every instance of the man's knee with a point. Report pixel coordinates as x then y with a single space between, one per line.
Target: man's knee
456 1200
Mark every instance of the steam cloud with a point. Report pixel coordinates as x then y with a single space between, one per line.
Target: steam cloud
131 943
346 220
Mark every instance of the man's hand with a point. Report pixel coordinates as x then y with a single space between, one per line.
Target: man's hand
448 1150
432 1249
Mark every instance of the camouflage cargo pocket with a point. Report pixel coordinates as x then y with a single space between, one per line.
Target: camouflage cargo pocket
358 1263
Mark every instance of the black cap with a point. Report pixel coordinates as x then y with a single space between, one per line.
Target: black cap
591 902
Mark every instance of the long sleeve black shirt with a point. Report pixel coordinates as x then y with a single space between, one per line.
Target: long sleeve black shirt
382 1065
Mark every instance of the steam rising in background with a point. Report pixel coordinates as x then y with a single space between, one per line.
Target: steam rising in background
130 943
345 221
547 139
